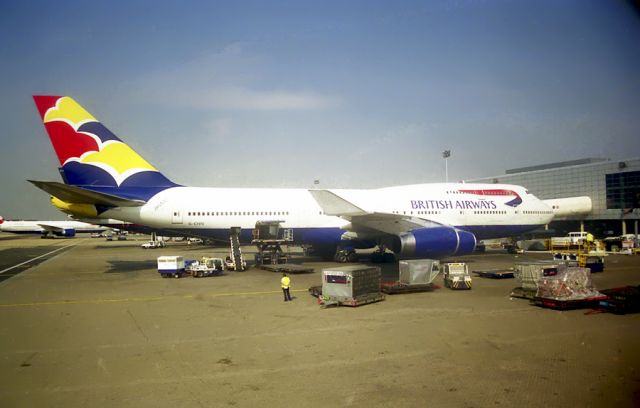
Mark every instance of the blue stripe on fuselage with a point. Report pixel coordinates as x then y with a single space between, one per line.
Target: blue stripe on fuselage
331 236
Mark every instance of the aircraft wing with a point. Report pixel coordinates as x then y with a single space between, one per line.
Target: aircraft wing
74 194
363 221
51 228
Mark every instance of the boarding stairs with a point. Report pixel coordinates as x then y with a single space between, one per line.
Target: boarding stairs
237 259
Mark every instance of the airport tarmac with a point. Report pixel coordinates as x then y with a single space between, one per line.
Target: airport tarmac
95 325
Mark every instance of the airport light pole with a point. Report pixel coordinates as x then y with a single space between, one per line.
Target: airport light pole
446 154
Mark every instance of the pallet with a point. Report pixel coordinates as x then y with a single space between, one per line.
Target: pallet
588 303
495 274
352 302
287 268
522 293
392 288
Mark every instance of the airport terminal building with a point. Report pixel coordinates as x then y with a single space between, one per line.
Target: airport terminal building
613 185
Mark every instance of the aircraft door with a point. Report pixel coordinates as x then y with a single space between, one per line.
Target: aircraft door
176 217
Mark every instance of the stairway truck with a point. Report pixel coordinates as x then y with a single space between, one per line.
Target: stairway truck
456 275
171 266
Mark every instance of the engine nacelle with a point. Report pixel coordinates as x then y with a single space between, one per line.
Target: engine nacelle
434 243
66 232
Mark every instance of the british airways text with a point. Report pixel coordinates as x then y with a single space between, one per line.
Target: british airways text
450 204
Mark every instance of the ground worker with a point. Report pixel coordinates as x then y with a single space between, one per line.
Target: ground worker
285 282
589 241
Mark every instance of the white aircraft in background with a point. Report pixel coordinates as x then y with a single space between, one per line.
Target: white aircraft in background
49 228
103 177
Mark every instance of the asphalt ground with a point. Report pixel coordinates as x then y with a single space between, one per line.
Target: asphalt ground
95 325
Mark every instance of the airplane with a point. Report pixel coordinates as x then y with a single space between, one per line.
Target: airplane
49 228
103 177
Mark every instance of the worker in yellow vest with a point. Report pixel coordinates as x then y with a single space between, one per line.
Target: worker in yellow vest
589 241
285 283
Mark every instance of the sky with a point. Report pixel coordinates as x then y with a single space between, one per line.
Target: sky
355 94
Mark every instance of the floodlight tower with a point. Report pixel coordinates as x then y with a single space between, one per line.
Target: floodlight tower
445 155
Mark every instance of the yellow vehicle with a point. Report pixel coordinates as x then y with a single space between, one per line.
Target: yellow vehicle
456 275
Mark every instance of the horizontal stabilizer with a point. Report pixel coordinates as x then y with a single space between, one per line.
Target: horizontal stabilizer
79 195
332 204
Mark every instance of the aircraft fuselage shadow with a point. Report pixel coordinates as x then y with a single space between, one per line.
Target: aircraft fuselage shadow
116 266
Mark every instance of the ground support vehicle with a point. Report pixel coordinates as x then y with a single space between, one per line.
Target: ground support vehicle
153 244
205 267
594 262
495 274
621 300
456 276
171 266
269 238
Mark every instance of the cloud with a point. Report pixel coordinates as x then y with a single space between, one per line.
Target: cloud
242 98
230 79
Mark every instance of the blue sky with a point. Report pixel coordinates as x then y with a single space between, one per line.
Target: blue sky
353 93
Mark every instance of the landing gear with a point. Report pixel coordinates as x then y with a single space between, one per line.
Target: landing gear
381 256
345 255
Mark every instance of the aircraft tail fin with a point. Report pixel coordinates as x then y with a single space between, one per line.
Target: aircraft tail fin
91 157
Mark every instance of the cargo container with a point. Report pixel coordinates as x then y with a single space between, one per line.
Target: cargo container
171 266
351 285
418 271
568 283
529 273
415 275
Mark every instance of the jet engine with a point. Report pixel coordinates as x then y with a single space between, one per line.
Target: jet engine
434 243
66 232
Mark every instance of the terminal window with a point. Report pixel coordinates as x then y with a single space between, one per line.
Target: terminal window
623 190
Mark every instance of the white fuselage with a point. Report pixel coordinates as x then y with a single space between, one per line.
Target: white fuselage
458 205
35 227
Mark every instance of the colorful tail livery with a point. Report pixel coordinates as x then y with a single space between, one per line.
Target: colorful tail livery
91 157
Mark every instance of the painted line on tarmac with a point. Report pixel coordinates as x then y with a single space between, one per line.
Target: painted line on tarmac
36 258
140 299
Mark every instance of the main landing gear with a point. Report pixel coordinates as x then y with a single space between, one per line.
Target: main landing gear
344 255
